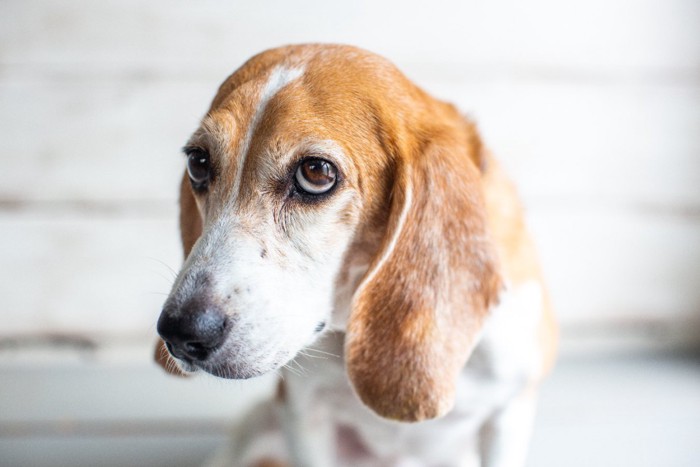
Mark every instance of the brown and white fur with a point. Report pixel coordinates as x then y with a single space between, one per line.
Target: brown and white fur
418 261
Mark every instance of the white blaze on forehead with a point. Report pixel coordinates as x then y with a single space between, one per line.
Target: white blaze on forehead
278 79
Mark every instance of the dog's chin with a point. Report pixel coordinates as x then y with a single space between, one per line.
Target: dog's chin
232 371
229 369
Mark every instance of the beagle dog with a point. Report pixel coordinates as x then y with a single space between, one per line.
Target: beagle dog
331 208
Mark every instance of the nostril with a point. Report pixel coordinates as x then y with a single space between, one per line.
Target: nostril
194 347
320 327
197 350
175 351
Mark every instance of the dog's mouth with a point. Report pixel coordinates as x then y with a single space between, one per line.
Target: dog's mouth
230 371
231 345
221 367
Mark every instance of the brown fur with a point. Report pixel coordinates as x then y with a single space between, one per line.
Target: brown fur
517 250
162 357
270 463
414 324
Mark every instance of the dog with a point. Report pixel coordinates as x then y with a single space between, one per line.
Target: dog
332 208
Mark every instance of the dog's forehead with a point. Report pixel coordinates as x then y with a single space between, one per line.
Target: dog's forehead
326 67
297 83
302 100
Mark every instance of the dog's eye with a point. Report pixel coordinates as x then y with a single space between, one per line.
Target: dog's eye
316 176
198 168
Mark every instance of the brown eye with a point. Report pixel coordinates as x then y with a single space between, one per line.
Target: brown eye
316 176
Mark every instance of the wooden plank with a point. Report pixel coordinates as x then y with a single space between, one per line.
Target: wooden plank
624 36
631 144
592 108
106 275
91 392
95 141
85 274
618 267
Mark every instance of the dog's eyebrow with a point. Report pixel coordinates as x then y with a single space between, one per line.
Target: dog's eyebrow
322 148
213 134
188 148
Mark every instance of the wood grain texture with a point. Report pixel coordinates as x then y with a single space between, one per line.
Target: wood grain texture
81 273
629 36
592 108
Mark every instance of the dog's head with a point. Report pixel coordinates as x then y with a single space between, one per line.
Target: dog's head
324 190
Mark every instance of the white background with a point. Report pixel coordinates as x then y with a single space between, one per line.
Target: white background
594 107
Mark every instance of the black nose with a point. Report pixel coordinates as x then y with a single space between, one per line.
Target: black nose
193 332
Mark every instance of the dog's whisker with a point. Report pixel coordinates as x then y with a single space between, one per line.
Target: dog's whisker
296 371
158 293
312 349
305 354
300 366
166 279
288 368
279 373
163 263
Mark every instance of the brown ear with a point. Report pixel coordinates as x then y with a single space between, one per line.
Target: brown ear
417 313
190 218
163 358
190 231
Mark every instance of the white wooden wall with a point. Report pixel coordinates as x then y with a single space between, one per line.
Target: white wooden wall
594 107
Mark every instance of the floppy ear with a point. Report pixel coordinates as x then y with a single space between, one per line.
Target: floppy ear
416 315
190 231
190 218
165 360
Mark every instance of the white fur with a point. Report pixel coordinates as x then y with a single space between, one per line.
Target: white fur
509 335
491 421
278 79
489 425
277 301
274 276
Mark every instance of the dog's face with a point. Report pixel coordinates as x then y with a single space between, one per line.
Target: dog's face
279 203
305 183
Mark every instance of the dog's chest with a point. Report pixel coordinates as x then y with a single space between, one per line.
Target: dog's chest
500 366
